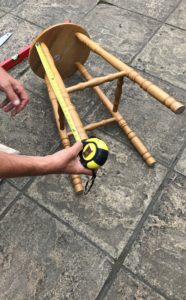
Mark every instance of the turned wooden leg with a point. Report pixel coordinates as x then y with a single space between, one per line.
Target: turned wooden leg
80 133
137 143
76 179
148 86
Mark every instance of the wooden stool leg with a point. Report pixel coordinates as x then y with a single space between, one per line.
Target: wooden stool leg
148 86
137 143
71 108
76 179
118 93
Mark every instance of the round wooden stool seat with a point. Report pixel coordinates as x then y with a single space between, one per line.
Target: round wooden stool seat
64 47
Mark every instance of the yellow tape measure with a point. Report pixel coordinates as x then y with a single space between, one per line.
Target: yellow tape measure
95 151
57 91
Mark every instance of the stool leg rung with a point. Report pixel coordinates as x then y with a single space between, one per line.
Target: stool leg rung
93 126
146 85
95 81
137 143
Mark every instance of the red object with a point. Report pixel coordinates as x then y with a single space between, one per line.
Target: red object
15 59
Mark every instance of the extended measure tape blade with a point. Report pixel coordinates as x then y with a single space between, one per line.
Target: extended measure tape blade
57 90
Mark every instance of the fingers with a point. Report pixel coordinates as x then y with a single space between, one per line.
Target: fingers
11 95
7 106
71 163
22 94
17 98
4 103
76 148
82 170
74 151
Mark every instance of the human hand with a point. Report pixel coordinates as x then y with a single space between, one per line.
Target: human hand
16 96
66 161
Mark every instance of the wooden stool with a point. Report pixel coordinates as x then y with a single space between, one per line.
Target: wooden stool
67 47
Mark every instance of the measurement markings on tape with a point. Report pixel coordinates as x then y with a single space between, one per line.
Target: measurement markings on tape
57 91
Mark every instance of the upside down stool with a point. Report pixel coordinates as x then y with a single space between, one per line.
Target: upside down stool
66 47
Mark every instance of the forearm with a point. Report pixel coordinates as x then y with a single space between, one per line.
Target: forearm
12 165
64 161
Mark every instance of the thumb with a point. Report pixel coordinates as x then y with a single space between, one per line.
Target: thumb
12 96
76 148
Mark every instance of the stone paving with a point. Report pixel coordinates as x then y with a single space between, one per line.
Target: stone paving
127 238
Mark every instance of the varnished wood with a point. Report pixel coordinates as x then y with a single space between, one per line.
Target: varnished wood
64 47
95 125
148 86
76 179
134 139
67 47
95 81
66 97
118 93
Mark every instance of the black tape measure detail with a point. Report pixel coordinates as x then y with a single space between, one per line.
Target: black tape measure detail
94 153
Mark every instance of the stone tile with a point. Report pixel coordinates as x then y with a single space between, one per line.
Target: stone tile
19 182
43 259
84 100
120 32
23 34
109 213
1 14
155 125
181 164
33 131
126 287
34 83
8 5
48 13
155 9
177 18
164 56
159 253
7 195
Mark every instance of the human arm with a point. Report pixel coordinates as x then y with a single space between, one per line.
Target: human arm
64 161
16 95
